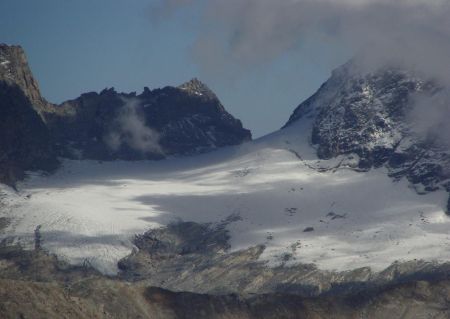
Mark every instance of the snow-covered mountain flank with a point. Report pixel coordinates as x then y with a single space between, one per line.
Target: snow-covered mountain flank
352 190
388 117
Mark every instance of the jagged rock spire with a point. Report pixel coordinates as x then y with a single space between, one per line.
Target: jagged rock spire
196 87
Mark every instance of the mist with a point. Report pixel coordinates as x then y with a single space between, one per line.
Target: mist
131 130
429 116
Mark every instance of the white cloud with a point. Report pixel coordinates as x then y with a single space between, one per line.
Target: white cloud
130 130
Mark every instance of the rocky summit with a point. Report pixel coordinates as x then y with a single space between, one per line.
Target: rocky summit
389 116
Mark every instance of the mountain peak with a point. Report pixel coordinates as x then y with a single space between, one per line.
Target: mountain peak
14 70
10 56
197 87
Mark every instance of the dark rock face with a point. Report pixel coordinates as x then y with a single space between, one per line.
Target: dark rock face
14 69
374 115
169 121
183 239
25 142
189 305
104 126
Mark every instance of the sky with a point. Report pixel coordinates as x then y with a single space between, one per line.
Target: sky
261 57
80 46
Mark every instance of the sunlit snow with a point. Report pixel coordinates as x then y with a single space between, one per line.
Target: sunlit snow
90 210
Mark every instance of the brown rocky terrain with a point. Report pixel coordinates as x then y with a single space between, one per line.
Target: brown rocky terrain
36 285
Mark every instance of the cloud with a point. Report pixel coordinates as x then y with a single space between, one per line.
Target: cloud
243 33
130 130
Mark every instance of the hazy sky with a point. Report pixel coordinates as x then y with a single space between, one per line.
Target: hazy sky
87 45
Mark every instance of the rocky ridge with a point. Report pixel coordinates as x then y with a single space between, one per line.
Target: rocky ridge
154 124
104 126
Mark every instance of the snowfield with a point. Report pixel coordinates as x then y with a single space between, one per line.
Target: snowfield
280 195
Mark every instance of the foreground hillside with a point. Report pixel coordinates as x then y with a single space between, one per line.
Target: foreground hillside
35 285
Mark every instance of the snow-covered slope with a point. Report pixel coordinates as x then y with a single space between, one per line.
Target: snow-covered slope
304 210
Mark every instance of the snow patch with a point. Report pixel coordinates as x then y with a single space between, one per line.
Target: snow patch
5 63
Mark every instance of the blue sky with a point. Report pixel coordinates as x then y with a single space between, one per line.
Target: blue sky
86 45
